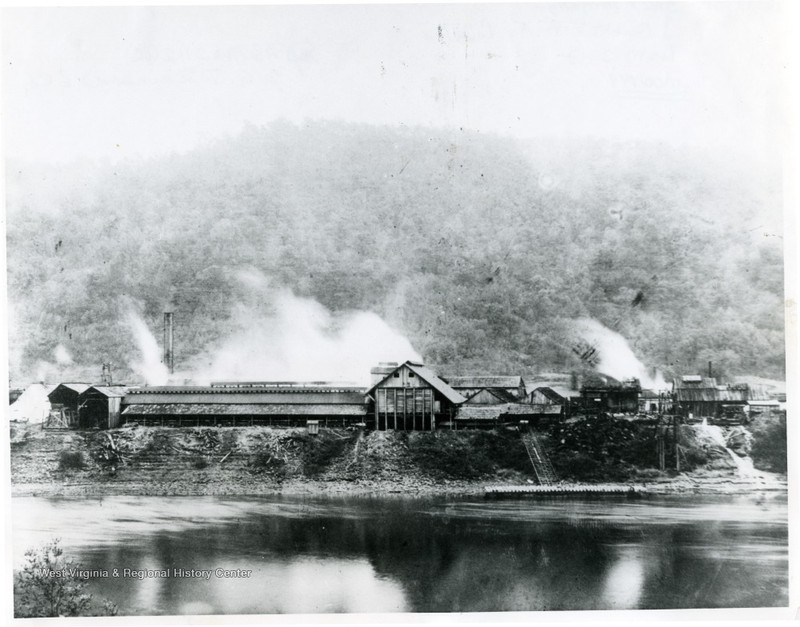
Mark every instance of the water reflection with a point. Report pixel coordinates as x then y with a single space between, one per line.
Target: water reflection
384 555
624 580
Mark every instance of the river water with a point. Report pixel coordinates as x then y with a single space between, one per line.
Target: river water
384 554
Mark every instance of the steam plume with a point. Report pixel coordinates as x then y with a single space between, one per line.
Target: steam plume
283 337
613 356
62 355
149 363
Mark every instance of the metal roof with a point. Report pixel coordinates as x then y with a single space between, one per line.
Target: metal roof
205 389
224 409
275 396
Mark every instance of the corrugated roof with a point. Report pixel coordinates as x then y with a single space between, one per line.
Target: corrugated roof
432 379
483 381
223 409
204 389
695 395
244 397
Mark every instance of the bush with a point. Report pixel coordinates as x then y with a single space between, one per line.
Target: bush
601 447
38 595
200 463
448 454
266 461
70 460
318 451
575 465
769 443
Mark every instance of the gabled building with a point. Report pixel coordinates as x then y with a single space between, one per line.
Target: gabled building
100 406
606 394
548 403
410 397
703 397
470 385
64 404
491 396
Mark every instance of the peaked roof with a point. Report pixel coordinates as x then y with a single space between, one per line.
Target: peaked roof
484 381
80 388
693 382
499 393
428 375
111 391
551 394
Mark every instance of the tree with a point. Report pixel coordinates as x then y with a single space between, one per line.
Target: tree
38 594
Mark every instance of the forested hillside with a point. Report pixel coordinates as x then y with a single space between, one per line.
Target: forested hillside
480 250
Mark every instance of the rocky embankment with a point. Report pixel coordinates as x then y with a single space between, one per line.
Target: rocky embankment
260 460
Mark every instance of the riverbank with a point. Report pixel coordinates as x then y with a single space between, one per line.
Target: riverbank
254 461
686 483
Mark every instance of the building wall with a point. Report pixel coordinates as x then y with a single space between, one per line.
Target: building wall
405 402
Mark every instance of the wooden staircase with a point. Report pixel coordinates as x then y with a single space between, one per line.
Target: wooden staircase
542 468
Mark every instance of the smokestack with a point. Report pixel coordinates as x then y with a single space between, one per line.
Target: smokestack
709 369
169 361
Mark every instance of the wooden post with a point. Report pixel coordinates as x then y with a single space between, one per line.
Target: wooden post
394 420
413 406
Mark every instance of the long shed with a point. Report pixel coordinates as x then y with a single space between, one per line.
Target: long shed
284 404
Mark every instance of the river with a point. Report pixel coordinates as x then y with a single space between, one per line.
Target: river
443 554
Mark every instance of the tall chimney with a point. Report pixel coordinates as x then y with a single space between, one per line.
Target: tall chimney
169 360
709 369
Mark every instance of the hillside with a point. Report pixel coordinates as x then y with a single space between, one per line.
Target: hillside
478 249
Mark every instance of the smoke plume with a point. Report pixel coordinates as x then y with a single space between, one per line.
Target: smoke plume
149 364
283 337
62 355
611 355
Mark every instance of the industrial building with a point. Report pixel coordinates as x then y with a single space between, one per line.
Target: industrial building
402 397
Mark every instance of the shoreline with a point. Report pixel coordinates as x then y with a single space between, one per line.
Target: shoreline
684 484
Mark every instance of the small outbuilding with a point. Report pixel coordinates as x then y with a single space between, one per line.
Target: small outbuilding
64 404
100 406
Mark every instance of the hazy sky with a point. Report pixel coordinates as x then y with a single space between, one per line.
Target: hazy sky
113 82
